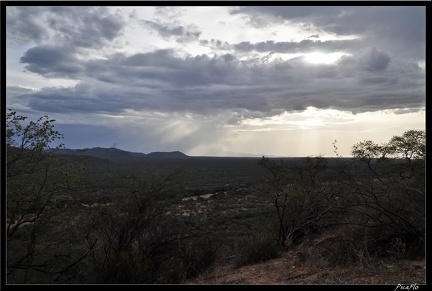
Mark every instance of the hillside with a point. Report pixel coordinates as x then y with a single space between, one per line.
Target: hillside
115 154
290 269
163 155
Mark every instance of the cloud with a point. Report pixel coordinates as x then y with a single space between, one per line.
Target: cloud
374 60
165 81
25 24
52 61
216 44
223 80
167 24
86 27
162 81
287 12
16 90
181 33
401 28
304 46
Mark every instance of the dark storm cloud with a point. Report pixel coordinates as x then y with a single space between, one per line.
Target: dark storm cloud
374 60
24 24
52 61
401 28
162 81
375 76
87 27
81 98
347 20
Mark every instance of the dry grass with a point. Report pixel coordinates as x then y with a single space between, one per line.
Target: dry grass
292 269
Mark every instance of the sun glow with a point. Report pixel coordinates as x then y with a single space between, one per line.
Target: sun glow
322 58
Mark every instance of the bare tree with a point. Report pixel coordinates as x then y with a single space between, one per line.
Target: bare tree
37 186
300 199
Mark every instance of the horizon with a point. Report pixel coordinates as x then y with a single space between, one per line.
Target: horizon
171 151
219 81
205 156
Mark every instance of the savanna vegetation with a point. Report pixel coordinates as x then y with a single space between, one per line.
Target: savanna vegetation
85 220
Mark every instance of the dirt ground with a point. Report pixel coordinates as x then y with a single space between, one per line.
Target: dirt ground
289 270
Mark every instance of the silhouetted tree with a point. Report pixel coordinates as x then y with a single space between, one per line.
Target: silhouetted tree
37 187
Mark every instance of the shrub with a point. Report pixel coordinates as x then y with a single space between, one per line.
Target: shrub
256 248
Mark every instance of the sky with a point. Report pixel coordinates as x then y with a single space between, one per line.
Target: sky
219 80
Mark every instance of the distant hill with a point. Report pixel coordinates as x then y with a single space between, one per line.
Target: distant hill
116 154
176 154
